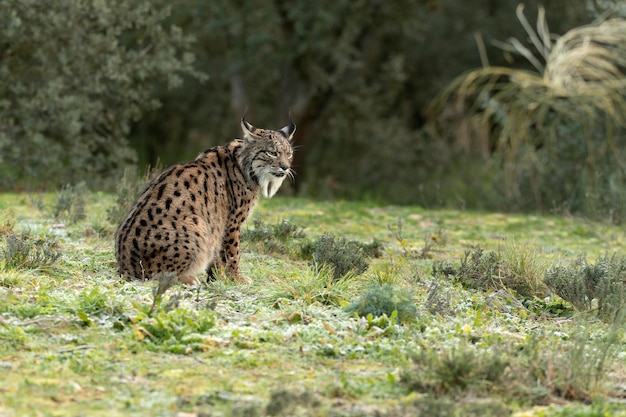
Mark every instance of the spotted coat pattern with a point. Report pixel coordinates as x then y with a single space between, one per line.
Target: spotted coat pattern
188 219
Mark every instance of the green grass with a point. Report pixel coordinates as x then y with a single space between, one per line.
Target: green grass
76 340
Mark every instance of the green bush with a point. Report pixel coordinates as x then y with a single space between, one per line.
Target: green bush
384 299
272 238
71 202
513 269
581 282
24 251
342 255
454 369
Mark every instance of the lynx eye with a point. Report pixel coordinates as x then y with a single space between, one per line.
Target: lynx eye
272 154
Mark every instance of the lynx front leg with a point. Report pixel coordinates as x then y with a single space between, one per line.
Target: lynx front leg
230 255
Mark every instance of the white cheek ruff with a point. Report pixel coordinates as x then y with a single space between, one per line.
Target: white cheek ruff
270 184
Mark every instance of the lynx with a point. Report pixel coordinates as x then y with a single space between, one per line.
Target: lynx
188 219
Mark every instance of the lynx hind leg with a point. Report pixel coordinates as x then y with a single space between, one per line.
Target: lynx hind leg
188 279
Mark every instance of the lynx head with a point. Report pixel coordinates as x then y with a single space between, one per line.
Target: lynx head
268 155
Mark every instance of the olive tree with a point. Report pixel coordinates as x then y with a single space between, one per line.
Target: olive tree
75 75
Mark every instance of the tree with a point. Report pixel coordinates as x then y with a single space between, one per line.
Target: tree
75 75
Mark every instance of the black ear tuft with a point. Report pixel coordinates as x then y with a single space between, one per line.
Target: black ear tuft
290 129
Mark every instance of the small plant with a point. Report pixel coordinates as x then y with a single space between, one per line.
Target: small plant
384 299
453 369
165 280
71 202
341 255
580 282
490 270
24 251
283 402
177 331
438 300
432 241
316 285
273 238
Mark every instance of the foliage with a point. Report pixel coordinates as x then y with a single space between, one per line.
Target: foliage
514 270
383 299
525 371
581 282
25 251
314 286
454 369
71 202
357 78
432 241
75 76
343 256
555 135
273 238
179 330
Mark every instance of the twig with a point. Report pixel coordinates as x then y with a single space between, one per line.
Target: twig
77 348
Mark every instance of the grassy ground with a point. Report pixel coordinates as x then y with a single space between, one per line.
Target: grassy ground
75 340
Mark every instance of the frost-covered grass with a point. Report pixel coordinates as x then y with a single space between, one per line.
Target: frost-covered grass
76 340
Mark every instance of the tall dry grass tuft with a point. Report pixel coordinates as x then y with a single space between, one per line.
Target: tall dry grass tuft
562 120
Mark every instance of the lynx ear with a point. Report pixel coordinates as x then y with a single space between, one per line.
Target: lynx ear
289 130
248 129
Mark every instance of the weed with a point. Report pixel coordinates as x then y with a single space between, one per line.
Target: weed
580 282
383 299
273 238
285 402
341 255
164 280
438 300
551 307
315 286
494 270
457 368
572 369
7 226
24 251
71 202
432 241
179 330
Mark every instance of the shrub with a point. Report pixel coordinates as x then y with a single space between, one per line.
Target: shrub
454 369
273 238
384 299
342 255
71 202
315 285
24 251
532 370
580 282
513 269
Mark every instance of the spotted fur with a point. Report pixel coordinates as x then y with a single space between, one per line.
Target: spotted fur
188 219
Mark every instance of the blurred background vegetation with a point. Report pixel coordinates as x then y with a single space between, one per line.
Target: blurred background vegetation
435 102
